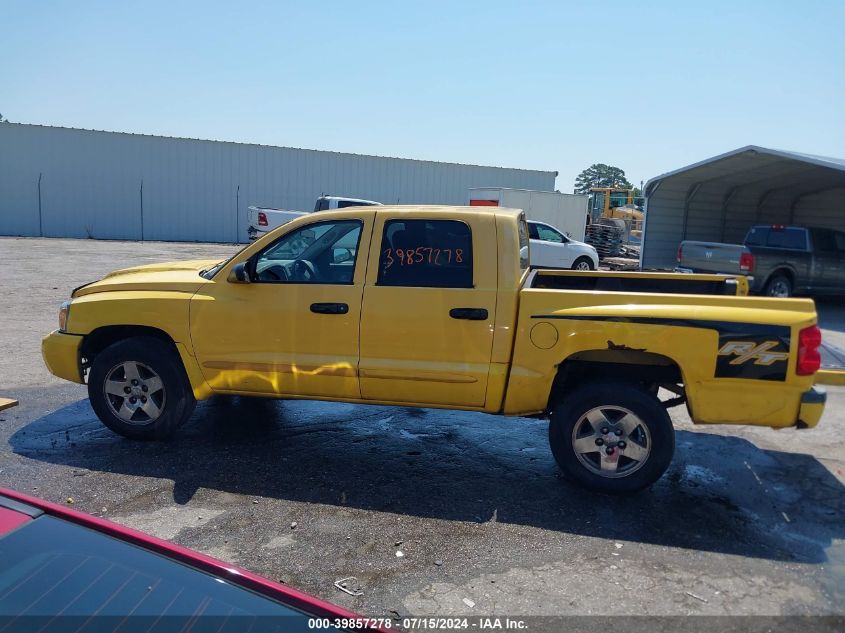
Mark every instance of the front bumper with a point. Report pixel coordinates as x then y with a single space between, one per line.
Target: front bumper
812 407
61 355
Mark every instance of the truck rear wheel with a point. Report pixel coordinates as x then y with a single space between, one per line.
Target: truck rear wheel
612 437
138 388
779 286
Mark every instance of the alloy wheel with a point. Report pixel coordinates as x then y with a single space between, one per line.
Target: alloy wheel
135 392
611 441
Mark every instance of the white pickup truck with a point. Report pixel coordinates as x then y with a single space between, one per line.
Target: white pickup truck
261 220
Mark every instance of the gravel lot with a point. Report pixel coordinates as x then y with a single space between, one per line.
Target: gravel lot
747 521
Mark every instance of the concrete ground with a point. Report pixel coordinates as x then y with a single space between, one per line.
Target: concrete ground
746 521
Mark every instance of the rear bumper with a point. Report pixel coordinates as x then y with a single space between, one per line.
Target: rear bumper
830 377
812 407
61 355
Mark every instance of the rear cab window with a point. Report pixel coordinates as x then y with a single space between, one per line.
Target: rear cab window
787 238
777 237
757 236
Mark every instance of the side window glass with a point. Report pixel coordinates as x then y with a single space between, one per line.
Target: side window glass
320 253
426 253
532 231
523 244
548 234
824 241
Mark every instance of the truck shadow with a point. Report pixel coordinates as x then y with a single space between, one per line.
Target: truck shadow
721 494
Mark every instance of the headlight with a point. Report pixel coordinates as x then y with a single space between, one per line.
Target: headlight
64 311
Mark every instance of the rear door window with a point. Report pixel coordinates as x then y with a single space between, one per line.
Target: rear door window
426 253
824 241
829 241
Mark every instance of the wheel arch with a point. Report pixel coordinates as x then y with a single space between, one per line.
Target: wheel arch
102 337
99 339
585 256
607 365
781 269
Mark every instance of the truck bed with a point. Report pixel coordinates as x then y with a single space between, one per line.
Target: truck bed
832 371
666 283
710 257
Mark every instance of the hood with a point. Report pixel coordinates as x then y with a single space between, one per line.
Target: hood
181 276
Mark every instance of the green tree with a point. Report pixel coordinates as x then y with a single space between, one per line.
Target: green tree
600 175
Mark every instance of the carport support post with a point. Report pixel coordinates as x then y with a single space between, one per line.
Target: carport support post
690 195
758 211
725 201
142 209
40 225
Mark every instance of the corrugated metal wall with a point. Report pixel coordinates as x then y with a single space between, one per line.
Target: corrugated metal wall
718 201
61 182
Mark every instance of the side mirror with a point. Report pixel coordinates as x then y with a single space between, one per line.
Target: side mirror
341 255
239 274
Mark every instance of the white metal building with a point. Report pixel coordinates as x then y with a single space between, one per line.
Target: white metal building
719 198
62 182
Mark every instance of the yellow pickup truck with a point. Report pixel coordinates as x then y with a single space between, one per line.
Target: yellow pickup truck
437 307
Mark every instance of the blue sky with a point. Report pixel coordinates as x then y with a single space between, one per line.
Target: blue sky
647 86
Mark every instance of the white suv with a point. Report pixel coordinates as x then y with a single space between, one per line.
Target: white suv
552 249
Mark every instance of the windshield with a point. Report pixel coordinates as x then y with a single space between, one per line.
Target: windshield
103 576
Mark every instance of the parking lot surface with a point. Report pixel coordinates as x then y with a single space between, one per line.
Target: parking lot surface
426 508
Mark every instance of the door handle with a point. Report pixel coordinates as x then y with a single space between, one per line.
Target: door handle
329 308
471 314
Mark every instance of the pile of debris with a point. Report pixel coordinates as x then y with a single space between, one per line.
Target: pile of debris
606 238
630 251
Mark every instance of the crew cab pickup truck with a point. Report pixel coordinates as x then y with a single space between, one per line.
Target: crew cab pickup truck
438 307
779 260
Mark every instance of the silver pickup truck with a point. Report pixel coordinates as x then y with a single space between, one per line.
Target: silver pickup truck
779 260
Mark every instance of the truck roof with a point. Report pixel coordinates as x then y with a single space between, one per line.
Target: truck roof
447 209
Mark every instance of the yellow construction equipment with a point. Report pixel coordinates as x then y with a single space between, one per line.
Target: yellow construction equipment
617 203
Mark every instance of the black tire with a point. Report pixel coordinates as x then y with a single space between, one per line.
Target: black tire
152 359
778 286
653 432
583 260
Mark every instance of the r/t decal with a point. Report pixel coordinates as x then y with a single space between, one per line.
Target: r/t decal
746 351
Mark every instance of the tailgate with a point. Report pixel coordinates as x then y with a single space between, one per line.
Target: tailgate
711 256
832 371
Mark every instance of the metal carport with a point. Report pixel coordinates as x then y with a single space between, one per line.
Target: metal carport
718 199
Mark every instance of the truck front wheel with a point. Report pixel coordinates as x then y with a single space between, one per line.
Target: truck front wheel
138 388
582 263
612 437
